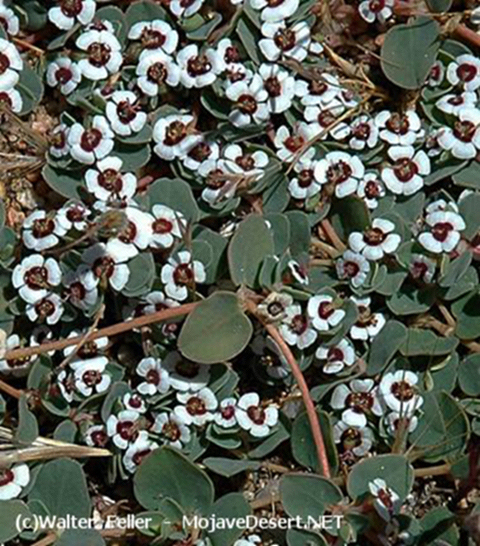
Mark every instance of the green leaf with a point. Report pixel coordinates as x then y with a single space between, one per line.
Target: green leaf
278 436
31 88
10 511
469 375
69 184
66 431
394 469
115 16
144 11
176 194
216 330
35 14
167 474
244 257
303 447
296 537
229 467
469 176
247 34
385 345
467 312
204 31
2 213
349 214
54 485
78 537
444 170
142 275
442 432
280 230
142 137
425 342
307 495
409 51
469 207
115 393
232 506
27 431
455 270
299 232
412 300
439 6
133 156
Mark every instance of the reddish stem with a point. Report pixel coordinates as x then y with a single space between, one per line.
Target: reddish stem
113 330
464 33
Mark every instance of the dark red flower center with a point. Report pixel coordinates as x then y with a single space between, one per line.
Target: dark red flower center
256 414
63 75
361 402
92 378
36 277
464 130
273 86
43 227
152 39
153 377
162 226
71 8
171 431
6 477
90 139
4 63
376 5
403 391
196 406
111 180
157 73
466 72
285 39
441 231
325 310
362 131
339 172
126 112
198 65
405 169
183 274
104 267
175 133
398 124
99 54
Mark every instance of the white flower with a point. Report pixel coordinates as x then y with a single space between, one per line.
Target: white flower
198 69
123 113
295 328
89 350
136 452
379 10
304 185
452 103
12 99
186 375
437 73
107 266
370 188
340 170
323 121
49 309
13 480
246 164
364 133
336 356
89 145
319 92
387 503
156 69
69 12
185 8
157 301
405 176
280 86
252 540
394 420
399 129
368 324
133 401
65 385
358 400
157 379
135 236
197 408
41 231
283 41
251 416
353 439
225 416
104 54
172 136
289 144
35 276
230 57
422 268
10 65
96 436
180 274
465 71
250 100
91 376
463 141
324 313
443 234
220 184
59 141
167 226
354 267
376 241
9 20
106 182
73 215
16 367
201 155
275 11
440 205
123 428
154 35
64 73
173 429
398 390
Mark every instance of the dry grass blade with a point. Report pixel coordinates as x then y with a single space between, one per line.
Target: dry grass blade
43 449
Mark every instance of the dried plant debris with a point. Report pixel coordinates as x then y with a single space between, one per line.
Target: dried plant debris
239 245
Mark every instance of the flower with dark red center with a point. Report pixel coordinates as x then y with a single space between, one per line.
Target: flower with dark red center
180 274
399 392
324 313
124 428
254 417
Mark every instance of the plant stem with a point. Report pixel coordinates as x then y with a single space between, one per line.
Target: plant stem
6 388
332 235
302 384
108 331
